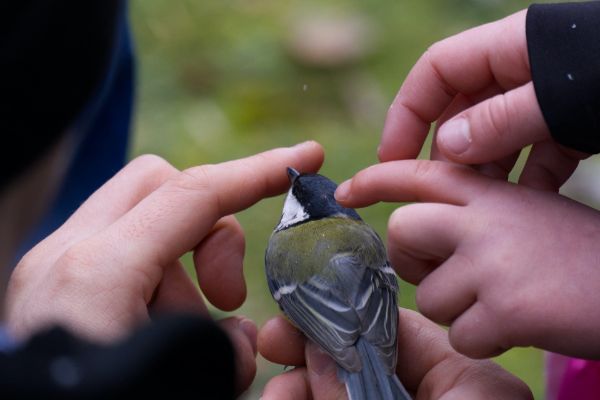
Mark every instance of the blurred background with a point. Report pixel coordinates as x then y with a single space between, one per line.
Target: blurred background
223 79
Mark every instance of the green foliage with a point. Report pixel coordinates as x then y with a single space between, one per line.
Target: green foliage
220 80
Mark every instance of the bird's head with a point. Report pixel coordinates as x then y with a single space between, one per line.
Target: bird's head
311 197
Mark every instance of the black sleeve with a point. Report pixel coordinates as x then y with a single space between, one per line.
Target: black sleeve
172 357
564 52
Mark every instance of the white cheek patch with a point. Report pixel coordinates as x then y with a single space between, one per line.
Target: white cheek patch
293 212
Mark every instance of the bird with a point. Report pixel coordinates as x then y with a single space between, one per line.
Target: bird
328 271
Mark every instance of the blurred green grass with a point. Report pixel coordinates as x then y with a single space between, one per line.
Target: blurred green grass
218 80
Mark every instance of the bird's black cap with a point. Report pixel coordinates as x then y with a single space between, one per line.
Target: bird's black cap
316 194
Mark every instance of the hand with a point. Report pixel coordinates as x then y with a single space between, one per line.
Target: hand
502 264
116 260
427 366
477 86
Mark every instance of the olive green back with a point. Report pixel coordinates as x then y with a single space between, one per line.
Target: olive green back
306 249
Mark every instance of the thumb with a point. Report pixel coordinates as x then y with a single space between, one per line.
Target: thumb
494 128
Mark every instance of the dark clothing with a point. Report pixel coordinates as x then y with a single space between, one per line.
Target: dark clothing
564 53
53 57
101 135
169 358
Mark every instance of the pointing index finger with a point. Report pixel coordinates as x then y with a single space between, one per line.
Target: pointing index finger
174 218
412 180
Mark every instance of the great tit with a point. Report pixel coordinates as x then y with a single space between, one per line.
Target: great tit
328 271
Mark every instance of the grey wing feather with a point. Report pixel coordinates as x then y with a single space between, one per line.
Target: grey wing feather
376 305
324 318
336 309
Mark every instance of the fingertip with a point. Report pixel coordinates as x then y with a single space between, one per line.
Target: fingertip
477 334
390 148
404 132
390 140
264 337
281 343
342 193
219 265
311 145
383 154
312 156
352 192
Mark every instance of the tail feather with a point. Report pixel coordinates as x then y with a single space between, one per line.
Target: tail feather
372 382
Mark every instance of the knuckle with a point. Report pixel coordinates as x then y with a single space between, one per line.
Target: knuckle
151 164
198 181
431 298
256 170
433 60
195 178
396 225
259 159
73 257
145 222
497 117
424 303
474 347
428 58
238 234
423 170
149 171
26 269
28 261
434 50
233 231
20 277
459 340
73 265
506 308
393 221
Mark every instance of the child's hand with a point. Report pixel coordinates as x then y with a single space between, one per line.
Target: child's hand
477 86
502 264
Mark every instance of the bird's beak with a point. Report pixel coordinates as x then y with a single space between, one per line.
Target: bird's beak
292 174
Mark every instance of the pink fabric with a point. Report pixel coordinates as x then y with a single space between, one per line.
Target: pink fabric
572 379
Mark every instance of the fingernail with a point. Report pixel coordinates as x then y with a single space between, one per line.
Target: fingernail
251 332
343 191
318 361
455 135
